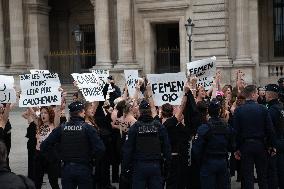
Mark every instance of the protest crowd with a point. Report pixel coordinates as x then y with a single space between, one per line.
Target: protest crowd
160 131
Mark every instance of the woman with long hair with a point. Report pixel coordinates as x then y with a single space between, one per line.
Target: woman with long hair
46 122
90 110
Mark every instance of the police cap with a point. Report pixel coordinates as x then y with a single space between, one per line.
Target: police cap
144 105
76 106
281 80
214 104
273 88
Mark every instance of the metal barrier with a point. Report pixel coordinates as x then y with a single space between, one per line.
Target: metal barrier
168 60
67 62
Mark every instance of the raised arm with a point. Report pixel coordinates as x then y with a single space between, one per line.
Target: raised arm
125 92
179 114
137 90
6 113
57 112
33 115
151 100
192 86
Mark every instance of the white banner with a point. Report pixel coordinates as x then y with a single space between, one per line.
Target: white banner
167 88
7 91
204 70
34 71
91 85
39 90
131 77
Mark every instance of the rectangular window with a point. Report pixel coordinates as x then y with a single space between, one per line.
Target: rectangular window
278 22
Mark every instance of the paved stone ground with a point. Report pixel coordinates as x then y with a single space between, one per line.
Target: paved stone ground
18 155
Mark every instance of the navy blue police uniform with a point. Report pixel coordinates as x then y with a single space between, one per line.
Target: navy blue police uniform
79 144
276 163
254 133
214 141
147 140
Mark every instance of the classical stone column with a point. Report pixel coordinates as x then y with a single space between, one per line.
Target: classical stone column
2 47
38 20
243 55
17 34
103 55
125 32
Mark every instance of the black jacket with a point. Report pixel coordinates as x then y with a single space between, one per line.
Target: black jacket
9 180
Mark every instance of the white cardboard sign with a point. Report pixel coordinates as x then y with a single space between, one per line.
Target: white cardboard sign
34 71
131 77
39 90
167 88
204 70
7 91
91 85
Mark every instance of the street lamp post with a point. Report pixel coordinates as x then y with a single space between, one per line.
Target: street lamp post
189 27
78 38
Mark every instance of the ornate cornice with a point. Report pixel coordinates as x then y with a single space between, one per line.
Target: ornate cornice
35 8
158 6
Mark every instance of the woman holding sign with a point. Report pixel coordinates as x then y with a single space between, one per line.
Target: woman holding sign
48 120
4 116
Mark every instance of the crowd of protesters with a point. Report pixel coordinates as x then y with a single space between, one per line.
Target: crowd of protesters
212 136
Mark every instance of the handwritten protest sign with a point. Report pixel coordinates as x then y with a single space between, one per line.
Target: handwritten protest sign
204 70
103 75
34 71
167 88
131 77
91 86
39 90
7 91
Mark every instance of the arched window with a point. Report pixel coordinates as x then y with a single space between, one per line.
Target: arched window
278 23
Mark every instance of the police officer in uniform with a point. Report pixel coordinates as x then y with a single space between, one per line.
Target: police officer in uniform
254 136
276 163
281 89
215 139
79 144
147 140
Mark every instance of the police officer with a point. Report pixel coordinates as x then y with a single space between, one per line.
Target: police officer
215 139
79 144
281 89
147 140
254 136
276 163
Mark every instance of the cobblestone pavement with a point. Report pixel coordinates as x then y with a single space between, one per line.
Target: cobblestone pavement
18 155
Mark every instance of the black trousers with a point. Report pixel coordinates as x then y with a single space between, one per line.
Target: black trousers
31 157
102 166
254 153
42 165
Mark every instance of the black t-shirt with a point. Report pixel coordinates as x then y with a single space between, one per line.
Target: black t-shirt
103 122
31 135
173 131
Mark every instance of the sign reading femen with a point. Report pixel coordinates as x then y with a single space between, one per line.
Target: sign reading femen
167 88
204 70
40 89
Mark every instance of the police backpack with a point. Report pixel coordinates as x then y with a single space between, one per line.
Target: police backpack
216 129
148 140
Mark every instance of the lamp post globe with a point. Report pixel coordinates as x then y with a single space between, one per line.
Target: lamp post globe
189 30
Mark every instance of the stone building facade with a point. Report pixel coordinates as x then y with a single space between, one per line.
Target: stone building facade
148 35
